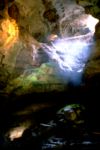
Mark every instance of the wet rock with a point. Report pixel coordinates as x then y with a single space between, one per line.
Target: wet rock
72 113
50 133
54 143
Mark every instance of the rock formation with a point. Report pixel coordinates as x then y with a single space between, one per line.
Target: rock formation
24 26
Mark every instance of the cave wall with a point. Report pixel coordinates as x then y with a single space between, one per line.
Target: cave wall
34 22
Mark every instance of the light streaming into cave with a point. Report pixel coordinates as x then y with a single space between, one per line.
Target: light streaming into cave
68 53
91 23
71 54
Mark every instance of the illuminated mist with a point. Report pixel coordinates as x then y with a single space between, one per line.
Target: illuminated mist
71 54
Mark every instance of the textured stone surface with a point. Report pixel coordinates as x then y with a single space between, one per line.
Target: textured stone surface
92 67
27 24
29 119
91 6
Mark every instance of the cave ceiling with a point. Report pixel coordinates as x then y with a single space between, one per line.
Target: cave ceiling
25 25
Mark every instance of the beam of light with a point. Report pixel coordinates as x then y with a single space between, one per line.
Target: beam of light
71 54
91 23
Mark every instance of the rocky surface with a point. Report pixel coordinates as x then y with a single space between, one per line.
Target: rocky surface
59 129
31 119
91 6
24 25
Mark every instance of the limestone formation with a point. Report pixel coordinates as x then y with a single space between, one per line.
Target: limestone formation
24 26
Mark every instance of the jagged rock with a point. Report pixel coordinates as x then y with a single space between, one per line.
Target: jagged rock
31 17
41 79
92 67
25 70
47 134
91 7
71 113
92 70
24 28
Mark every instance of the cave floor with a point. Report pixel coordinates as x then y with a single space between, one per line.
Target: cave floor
43 130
